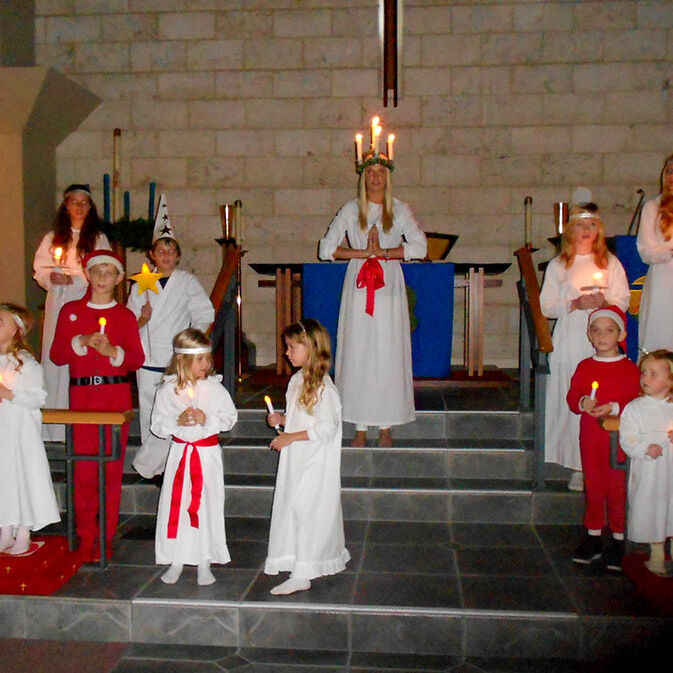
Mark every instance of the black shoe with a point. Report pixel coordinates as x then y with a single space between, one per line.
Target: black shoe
614 552
589 549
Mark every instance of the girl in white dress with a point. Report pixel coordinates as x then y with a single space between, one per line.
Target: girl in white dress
646 435
307 533
192 407
584 277
58 269
655 245
27 500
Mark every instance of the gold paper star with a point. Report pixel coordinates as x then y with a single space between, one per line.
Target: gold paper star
146 280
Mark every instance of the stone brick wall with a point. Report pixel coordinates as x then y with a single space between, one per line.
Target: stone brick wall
259 100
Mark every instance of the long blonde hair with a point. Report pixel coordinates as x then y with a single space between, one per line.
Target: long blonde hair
660 355
18 342
181 363
363 203
311 334
666 204
599 248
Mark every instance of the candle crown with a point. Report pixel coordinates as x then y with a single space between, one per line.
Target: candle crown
372 155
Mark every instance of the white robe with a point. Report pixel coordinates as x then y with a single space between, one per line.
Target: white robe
646 421
26 491
373 369
571 345
208 542
307 533
180 304
57 379
655 321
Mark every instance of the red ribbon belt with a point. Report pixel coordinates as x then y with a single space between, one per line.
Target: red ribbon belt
196 477
371 277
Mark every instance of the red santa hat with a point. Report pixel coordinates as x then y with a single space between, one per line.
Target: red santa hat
103 257
613 312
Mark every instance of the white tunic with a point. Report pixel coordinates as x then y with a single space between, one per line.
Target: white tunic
655 321
646 421
208 542
181 303
57 379
373 369
571 345
26 492
307 533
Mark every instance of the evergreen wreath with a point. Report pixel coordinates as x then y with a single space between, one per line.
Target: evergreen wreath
130 234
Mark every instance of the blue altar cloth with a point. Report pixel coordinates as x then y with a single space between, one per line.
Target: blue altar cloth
430 289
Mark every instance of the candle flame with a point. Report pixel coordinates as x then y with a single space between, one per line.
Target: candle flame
358 137
598 275
375 121
594 385
391 138
58 253
102 322
378 130
267 399
190 392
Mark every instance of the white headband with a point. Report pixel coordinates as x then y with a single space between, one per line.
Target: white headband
105 259
584 215
19 323
193 351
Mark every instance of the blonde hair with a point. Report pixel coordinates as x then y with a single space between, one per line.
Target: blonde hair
599 248
181 363
363 202
311 334
18 342
666 204
660 355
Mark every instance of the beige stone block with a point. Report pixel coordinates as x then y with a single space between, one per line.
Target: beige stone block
337 172
607 15
481 80
241 143
427 202
108 116
167 173
203 230
480 140
424 81
187 143
159 115
603 77
492 18
53 7
302 84
356 21
519 109
82 143
540 139
412 52
158 56
186 85
72 29
305 201
637 45
335 52
406 114
576 169
427 20
187 26
58 56
577 46
625 107
359 82
547 16
130 27
331 113
203 262
40 30
216 114
274 172
216 171
252 84
479 200
273 113
257 201
630 166
215 54
602 138
567 108
652 75
120 86
450 170
301 23
407 172
299 142
193 202
239 25
97 57
426 140
452 111
100 6
69 171
450 50
513 170
652 137
272 54
140 144
542 78
654 14
514 48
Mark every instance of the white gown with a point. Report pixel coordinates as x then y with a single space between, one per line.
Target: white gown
655 321
180 304
208 542
571 345
646 421
307 533
57 379
373 368
26 491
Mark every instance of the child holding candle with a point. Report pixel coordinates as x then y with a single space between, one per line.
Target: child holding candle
602 385
192 407
58 269
646 435
100 359
27 500
307 534
569 295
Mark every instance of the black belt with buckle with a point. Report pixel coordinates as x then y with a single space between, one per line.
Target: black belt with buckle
97 380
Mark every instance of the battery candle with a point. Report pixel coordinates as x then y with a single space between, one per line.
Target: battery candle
594 388
102 322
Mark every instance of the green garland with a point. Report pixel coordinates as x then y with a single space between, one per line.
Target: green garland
133 235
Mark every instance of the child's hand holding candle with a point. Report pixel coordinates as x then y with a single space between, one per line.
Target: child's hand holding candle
274 419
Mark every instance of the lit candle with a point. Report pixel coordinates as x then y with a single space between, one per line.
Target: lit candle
377 134
598 277
58 254
594 388
358 148
375 123
102 322
389 150
190 394
269 406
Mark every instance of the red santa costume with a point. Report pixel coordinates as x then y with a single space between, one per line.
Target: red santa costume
97 383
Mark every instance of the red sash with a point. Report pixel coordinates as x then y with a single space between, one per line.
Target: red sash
371 277
196 477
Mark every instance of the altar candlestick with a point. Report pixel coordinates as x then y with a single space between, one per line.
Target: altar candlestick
594 388
102 322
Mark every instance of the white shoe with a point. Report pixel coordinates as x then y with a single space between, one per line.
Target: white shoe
576 481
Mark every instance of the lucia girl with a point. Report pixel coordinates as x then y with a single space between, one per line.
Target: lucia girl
646 435
192 407
27 500
584 277
307 534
